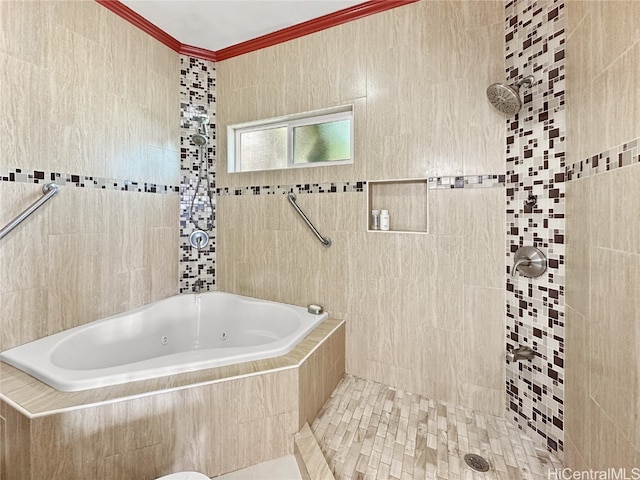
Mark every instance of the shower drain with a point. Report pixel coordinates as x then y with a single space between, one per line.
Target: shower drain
476 462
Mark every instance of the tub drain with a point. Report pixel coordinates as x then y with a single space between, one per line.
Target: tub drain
476 462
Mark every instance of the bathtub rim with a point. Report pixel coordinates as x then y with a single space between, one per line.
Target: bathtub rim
32 391
63 379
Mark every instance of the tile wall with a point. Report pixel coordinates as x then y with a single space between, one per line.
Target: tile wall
213 421
197 206
417 306
424 312
73 114
603 236
535 165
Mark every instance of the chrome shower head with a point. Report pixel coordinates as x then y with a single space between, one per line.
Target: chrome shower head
201 137
506 98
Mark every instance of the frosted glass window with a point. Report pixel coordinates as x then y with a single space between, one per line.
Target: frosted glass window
302 140
264 149
322 142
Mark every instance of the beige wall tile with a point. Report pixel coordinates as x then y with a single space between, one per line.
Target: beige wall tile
602 54
577 390
576 13
483 342
446 212
402 132
407 124
484 263
441 360
85 93
610 448
572 457
16 443
614 30
578 244
625 205
614 84
614 330
582 135
18 306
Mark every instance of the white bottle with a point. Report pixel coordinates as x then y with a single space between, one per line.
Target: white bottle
384 220
376 219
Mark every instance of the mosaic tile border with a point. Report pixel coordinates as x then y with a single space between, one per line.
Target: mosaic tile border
84 181
617 157
467 181
197 98
338 187
434 183
535 154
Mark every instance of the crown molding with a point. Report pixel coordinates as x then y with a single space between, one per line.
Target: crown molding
197 52
311 26
295 31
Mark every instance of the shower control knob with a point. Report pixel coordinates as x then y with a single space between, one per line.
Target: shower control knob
529 262
199 239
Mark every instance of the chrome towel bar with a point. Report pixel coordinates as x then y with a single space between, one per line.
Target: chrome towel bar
49 190
326 241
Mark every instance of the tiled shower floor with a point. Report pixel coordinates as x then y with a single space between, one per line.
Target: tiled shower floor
370 431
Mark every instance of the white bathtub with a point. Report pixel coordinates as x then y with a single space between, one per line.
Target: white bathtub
175 335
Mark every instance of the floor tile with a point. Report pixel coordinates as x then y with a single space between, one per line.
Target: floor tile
370 431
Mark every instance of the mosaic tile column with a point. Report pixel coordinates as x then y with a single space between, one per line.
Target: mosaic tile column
197 99
535 165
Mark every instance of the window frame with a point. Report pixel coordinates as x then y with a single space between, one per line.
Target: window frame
316 117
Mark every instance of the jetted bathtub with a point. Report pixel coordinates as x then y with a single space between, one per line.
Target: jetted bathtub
178 334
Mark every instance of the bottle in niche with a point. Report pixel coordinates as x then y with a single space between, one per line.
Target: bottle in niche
375 214
384 220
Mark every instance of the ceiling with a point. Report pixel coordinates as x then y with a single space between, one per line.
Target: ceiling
217 24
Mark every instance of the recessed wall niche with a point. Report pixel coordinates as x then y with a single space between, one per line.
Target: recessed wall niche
406 201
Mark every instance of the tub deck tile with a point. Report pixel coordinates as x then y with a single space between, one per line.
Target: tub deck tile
367 430
37 398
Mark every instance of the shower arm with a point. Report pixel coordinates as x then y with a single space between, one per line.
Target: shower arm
326 241
526 82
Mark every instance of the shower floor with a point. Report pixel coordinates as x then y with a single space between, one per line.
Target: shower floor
371 431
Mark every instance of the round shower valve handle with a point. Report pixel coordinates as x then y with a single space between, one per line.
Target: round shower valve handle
199 239
529 261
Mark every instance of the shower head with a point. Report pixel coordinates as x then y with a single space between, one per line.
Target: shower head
506 98
201 137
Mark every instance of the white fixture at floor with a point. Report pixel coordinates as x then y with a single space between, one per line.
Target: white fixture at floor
184 476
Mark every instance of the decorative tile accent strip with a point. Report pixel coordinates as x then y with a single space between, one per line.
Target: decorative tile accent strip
535 45
197 100
468 181
340 187
435 183
83 181
617 157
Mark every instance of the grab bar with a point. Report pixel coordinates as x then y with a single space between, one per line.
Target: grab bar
326 241
49 190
